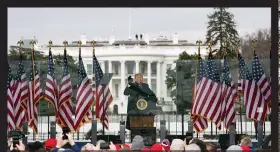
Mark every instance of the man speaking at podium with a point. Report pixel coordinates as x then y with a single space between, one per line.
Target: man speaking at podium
136 91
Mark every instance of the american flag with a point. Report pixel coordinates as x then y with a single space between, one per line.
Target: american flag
261 80
84 97
52 88
254 102
65 109
35 95
10 103
199 123
229 95
20 96
208 101
103 95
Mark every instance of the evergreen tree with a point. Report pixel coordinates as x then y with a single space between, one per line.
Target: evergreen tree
221 30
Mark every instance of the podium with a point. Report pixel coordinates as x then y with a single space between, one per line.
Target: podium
141 121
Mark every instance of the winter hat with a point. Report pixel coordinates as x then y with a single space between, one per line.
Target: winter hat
156 148
50 144
137 143
234 148
177 144
245 149
145 149
125 146
165 144
192 148
117 147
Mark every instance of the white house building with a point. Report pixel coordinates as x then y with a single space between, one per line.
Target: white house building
124 58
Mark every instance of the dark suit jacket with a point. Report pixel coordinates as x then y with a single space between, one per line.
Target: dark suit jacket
134 96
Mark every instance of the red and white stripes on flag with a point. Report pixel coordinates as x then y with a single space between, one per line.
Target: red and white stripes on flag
52 88
208 98
103 95
84 97
65 109
256 107
228 97
199 123
261 80
10 103
35 94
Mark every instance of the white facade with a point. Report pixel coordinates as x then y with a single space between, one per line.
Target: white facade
124 60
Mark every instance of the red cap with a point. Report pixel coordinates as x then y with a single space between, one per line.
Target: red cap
156 147
50 144
125 146
117 147
245 149
145 149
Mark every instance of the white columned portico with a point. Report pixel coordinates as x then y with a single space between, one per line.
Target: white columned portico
159 79
110 71
122 79
137 66
149 73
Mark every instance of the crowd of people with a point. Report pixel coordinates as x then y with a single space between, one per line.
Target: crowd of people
190 144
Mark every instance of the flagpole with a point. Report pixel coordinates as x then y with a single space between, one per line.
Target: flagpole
199 42
94 122
80 53
93 71
25 125
224 58
33 42
239 96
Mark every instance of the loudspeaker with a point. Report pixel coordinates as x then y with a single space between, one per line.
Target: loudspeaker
53 129
94 132
149 135
224 140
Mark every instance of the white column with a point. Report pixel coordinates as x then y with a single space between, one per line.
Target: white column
158 78
110 71
102 65
137 66
164 86
149 74
122 79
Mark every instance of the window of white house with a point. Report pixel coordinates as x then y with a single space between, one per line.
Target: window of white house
117 90
89 69
168 66
168 93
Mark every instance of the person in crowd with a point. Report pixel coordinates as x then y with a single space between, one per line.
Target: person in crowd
192 148
188 139
64 144
246 143
211 147
145 149
234 148
166 145
137 143
177 145
157 148
200 143
88 147
125 149
19 147
50 144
